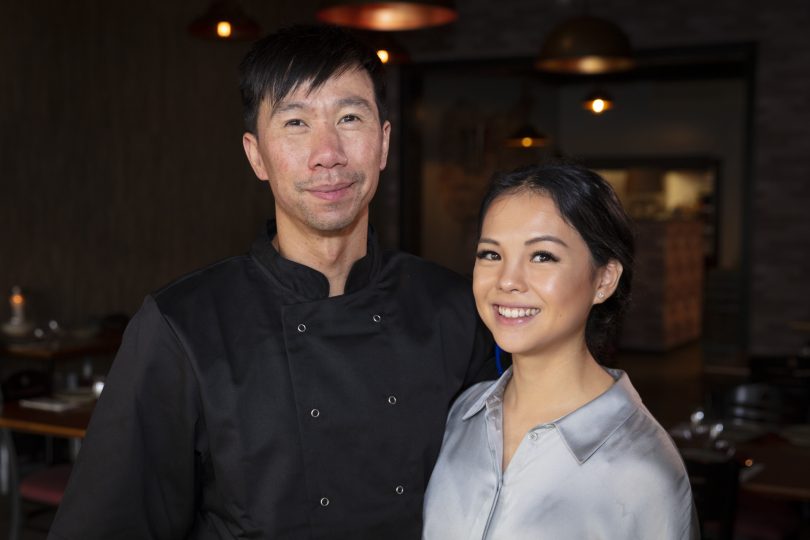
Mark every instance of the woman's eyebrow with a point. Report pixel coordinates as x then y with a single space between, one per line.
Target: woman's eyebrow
545 238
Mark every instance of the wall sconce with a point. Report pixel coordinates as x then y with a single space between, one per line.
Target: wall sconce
586 45
225 20
526 136
387 16
598 102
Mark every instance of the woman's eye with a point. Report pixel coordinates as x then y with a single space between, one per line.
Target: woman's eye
543 256
486 255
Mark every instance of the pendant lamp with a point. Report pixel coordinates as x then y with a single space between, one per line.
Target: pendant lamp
527 136
389 49
598 102
387 16
586 45
225 20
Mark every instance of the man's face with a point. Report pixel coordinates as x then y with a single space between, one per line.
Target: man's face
321 152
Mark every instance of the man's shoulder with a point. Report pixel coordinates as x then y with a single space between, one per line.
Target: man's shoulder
427 271
221 275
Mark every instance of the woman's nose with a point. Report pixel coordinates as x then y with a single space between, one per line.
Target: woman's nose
326 148
512 279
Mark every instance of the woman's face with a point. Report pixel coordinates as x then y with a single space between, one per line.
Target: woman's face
534 280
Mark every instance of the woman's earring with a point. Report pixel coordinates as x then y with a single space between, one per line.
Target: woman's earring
601 295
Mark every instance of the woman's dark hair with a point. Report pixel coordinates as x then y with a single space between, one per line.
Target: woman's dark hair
303 54
589 204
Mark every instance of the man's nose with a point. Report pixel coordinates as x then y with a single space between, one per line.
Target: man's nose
327 147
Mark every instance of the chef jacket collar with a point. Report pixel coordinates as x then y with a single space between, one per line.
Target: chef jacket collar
306 283
588 427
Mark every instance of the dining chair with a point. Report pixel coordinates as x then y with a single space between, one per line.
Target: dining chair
714 477
768 405
44 486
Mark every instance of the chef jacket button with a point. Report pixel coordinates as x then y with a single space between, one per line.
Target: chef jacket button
314 413
400 490
376 318
392 400
302 328
324 502
533 436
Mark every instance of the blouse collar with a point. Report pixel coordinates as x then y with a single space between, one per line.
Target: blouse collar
585 429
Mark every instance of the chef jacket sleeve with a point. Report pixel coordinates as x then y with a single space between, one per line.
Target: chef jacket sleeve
135 474
482 359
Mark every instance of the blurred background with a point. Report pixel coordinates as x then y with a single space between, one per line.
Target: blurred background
121 168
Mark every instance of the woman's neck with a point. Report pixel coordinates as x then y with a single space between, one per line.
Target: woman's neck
547 386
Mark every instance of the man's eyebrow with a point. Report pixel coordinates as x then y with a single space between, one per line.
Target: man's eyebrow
286 106
530 241
351 101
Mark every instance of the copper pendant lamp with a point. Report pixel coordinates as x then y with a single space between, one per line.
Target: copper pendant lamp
389 49
586 45
387 16
527 137
225 20
598 102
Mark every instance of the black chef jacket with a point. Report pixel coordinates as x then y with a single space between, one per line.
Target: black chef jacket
246 403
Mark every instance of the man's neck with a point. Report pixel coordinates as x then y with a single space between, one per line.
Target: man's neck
333 255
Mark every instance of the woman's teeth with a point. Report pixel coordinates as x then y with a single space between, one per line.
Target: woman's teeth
517 313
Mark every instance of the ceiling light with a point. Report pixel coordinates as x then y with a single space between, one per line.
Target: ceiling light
598 102
387 16
527 137
225 20
586 45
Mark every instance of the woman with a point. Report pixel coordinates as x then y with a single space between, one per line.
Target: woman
559 447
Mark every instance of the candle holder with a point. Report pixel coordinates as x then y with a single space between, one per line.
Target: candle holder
18 325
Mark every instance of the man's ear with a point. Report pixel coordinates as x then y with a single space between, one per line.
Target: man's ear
608 280
251 146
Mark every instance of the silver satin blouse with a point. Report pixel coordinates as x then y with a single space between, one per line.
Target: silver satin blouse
608 470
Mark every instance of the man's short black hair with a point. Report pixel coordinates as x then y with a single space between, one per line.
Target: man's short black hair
279 63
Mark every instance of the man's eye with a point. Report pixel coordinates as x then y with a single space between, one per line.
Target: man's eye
295 122
349 118
544 256
487 255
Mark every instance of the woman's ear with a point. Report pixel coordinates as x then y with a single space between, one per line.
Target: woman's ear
608 279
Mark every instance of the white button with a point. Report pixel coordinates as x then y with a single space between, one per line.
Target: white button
533 436
376 318
314 413
400 490
324 501
392 400
302 328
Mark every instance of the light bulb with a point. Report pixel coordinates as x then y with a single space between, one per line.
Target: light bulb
224 29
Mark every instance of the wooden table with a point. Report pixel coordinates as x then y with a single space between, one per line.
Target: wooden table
71 424
785 470
61 349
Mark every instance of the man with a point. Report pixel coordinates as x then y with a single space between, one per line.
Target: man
299 391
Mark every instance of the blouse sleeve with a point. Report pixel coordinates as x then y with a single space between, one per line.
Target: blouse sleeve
135 474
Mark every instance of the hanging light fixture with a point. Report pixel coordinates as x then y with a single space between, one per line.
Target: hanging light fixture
598 102
225 20
388 48
526 136
587 45
387 16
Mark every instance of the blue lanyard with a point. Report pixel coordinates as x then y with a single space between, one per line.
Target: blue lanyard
498 360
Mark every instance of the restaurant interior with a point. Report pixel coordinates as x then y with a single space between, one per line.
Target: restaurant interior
122 168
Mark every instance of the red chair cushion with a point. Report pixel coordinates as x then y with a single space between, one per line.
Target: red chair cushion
46 486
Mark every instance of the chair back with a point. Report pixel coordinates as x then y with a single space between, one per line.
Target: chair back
714 477
766 405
